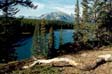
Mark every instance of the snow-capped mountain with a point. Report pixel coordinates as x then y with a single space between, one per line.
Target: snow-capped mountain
58 16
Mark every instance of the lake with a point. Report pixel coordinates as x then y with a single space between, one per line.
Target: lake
24 51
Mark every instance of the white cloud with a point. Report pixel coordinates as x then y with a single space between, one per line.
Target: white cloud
67 9
31 12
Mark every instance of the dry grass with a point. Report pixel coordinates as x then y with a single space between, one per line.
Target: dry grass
84 57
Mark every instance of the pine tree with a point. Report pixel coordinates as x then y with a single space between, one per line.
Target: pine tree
43 38
51 38
93 10
85 10
77 16
11 27
82 29
7 3
51 49
101 12
104 23
61 36
36 50
77 21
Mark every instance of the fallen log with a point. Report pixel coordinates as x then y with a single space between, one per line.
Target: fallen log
99 61
70 61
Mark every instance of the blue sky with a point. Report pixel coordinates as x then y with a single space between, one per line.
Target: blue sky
47 6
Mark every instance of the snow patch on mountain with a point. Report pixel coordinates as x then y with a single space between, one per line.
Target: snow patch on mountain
58 16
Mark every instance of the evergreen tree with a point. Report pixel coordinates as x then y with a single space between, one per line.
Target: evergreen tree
43 38
93 10
26 3
104 23
61 36
77 16
85 10
36 50
77 23
101 12
51 51
84 29
11 27
51 38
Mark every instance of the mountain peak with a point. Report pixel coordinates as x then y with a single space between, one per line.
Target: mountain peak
59 15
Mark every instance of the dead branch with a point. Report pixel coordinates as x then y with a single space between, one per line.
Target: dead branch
101 60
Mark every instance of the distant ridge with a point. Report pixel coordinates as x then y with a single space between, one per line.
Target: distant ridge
58 16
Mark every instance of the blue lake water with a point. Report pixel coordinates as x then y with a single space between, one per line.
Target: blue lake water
24 51
67 36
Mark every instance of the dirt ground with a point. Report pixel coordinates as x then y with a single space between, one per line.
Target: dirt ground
89 57
83 57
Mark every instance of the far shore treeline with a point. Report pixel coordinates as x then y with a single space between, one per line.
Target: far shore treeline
27 25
